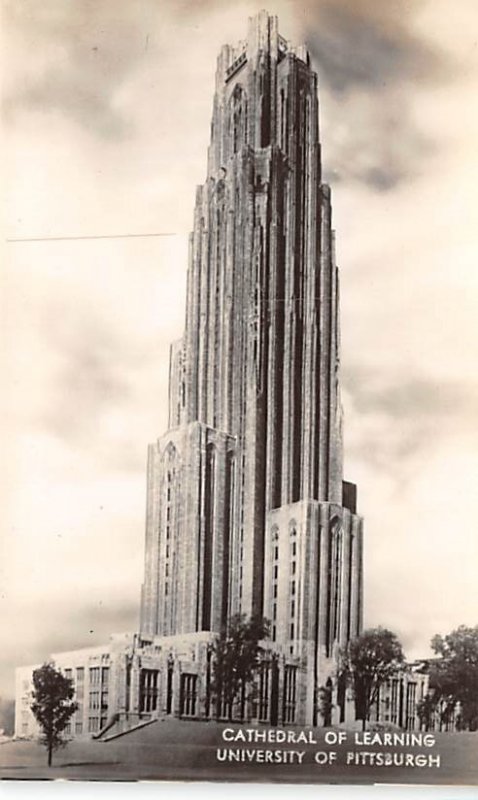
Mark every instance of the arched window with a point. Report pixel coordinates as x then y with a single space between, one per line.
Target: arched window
338 580
334 582
238 117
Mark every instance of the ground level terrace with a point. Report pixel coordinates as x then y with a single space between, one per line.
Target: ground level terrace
181 750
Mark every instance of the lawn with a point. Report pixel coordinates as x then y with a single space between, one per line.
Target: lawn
177 750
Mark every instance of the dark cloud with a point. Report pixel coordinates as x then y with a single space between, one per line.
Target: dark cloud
87 107
371 61
405 417
96 370
102 381
383 178
93 623
84 52
410 397
358 46
369 44
76 626
90 377
382 152
356 43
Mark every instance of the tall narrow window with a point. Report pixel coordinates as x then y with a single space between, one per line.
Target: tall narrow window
411 704
290 694
208 535
148 692
275 579
337 582
293 600
239 118
168 531
228 528
188 695
334 584
169 687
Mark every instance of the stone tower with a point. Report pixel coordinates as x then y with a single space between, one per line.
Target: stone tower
247 510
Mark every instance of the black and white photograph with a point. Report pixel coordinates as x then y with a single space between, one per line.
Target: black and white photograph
240 392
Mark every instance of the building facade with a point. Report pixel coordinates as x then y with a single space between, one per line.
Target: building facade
247 509
398 699
99 679
129 682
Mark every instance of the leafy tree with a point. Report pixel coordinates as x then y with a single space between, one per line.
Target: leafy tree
426 709
7 716
454 674
325 705
236 658
52 705
371 660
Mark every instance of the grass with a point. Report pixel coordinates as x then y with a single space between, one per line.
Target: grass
176 750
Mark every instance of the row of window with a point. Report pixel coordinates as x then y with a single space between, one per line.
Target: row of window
96 674
275 577
292 586
171 481
95 724
149 694
267 700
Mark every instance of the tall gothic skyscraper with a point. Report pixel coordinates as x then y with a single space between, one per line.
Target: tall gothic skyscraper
247 510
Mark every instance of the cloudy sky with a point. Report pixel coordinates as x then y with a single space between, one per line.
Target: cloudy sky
106 110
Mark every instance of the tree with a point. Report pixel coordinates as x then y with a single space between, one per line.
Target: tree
454 674
371 660
52 705
236 659
7 716
426 709
325 704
